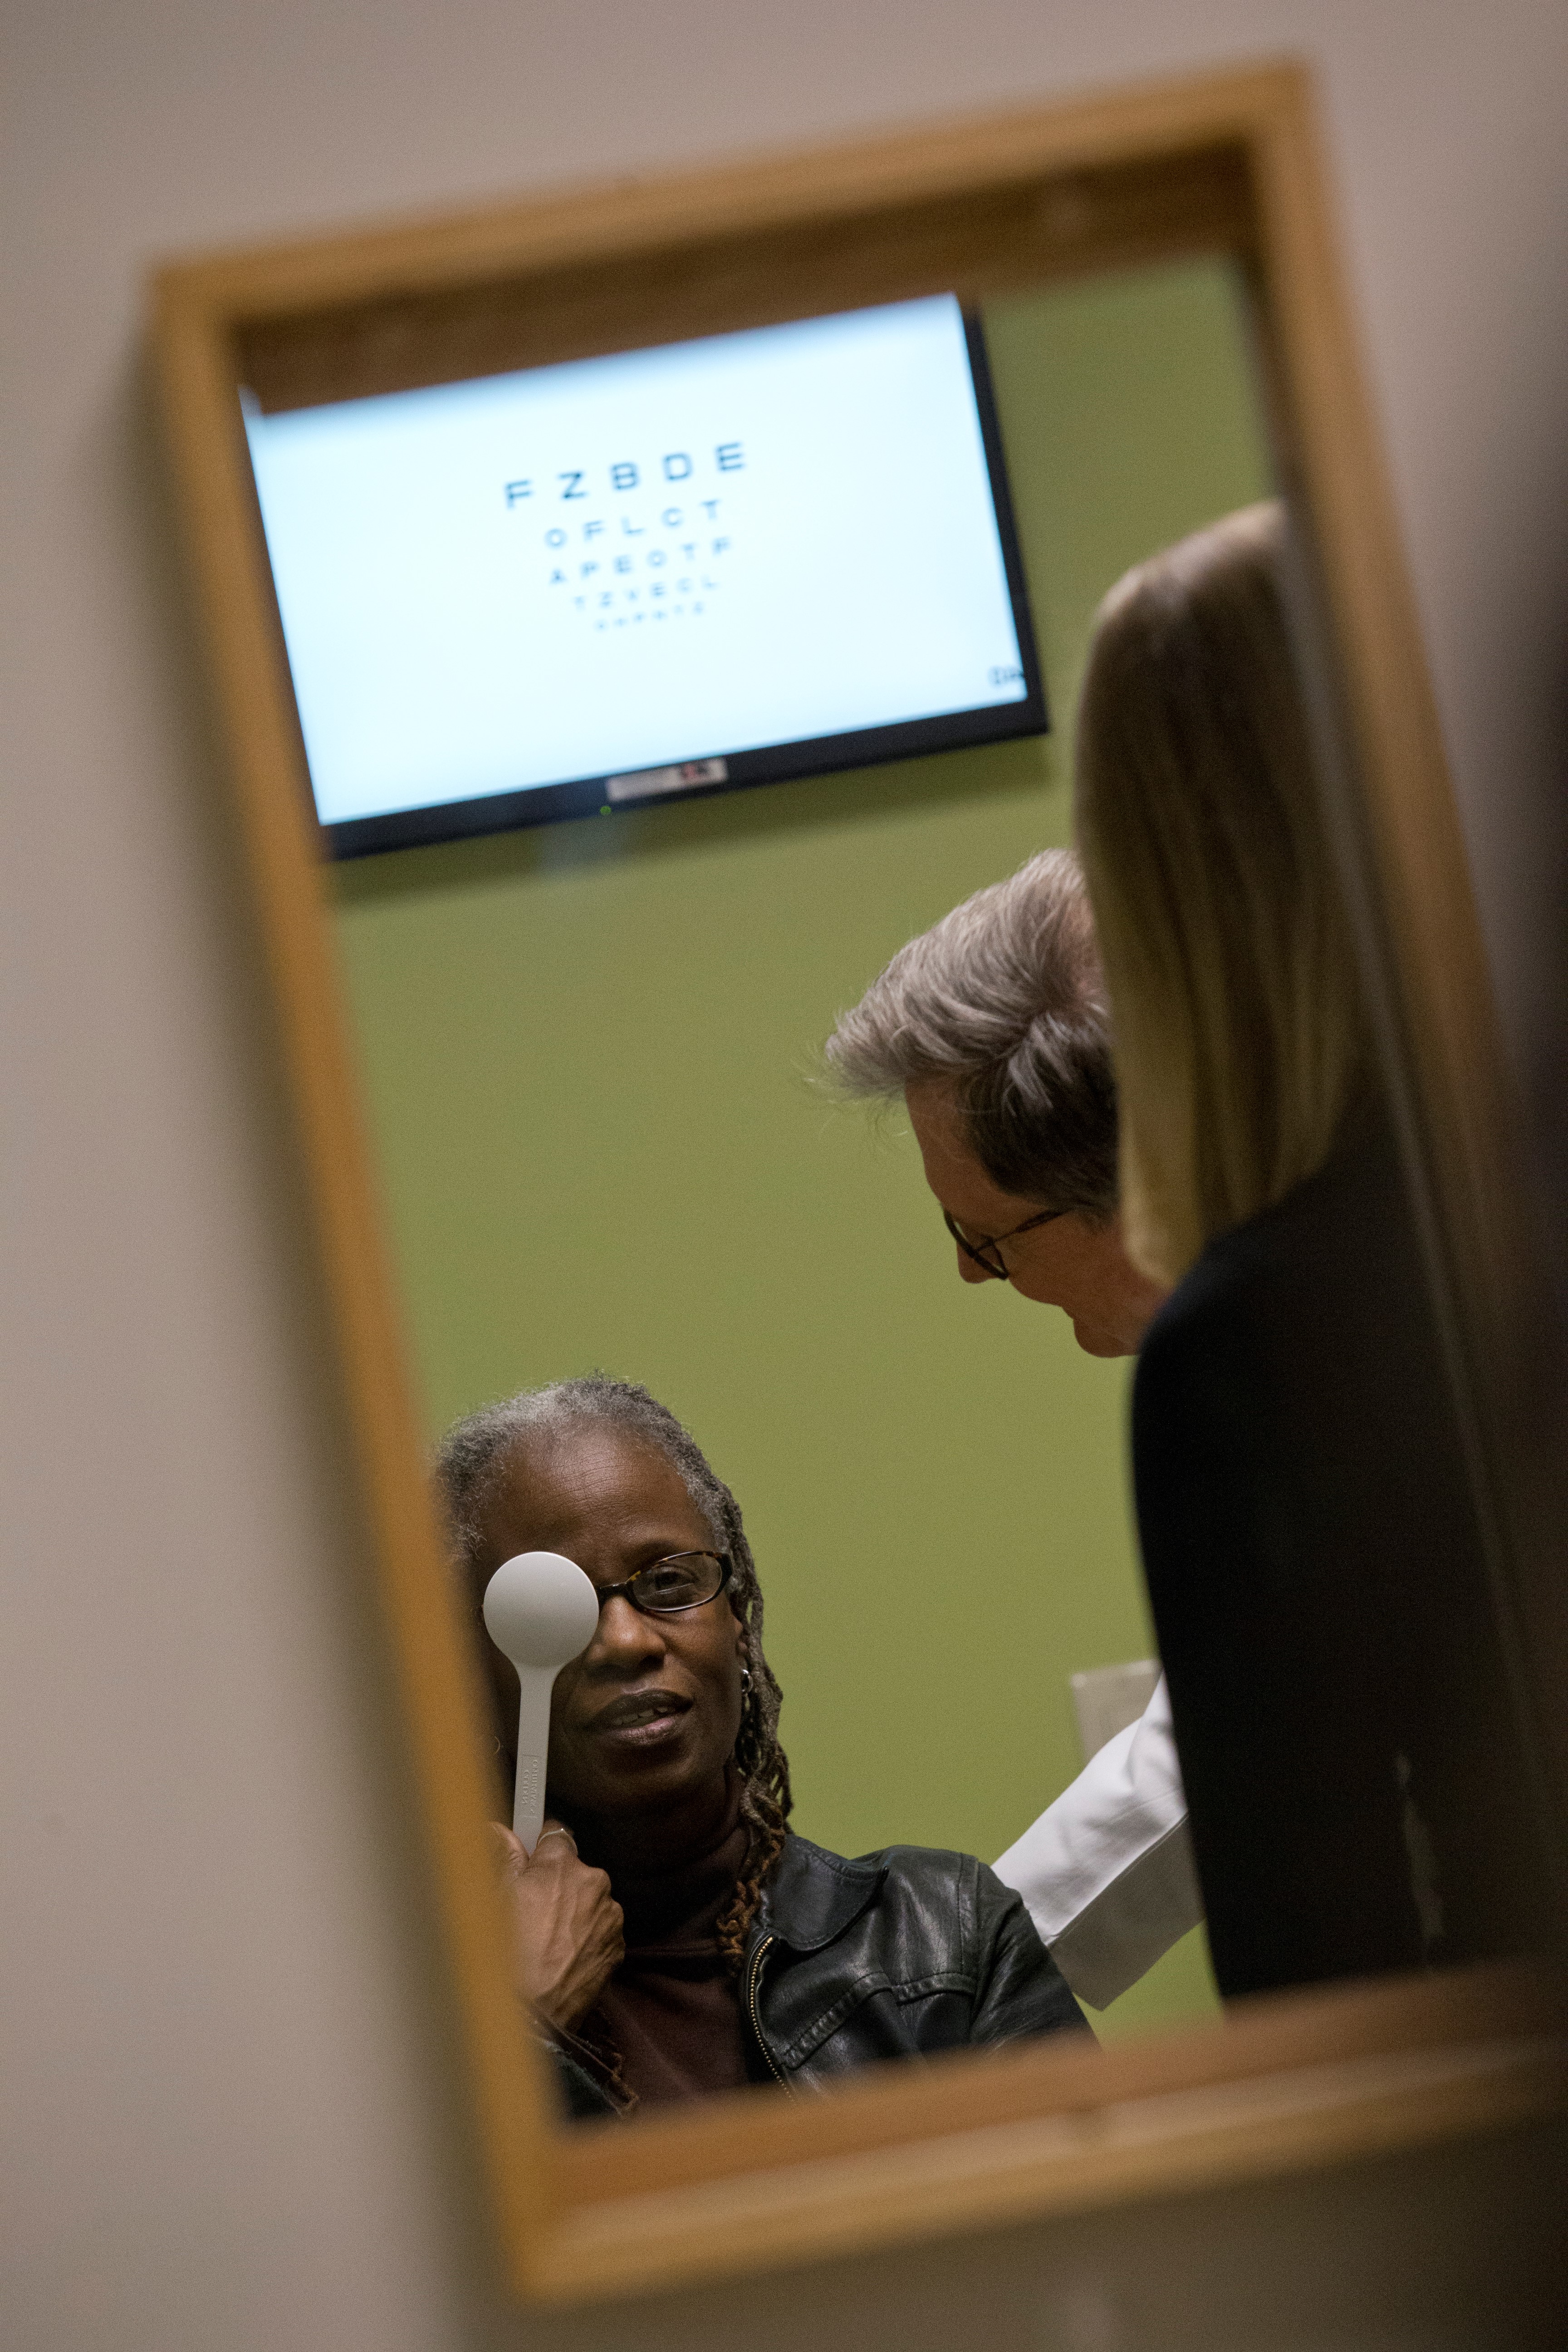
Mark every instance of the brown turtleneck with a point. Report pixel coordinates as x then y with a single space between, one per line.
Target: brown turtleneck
672 2009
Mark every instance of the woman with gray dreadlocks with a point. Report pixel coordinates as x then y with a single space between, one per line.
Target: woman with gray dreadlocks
672 1936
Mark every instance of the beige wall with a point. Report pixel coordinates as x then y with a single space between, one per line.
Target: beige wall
229 2113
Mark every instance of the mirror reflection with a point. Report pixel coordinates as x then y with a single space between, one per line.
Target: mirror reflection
658 1254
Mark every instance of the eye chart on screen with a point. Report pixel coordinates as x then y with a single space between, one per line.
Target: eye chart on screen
733 560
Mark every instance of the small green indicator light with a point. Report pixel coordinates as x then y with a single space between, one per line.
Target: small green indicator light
606 809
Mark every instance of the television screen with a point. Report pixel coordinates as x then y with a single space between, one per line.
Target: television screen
721 562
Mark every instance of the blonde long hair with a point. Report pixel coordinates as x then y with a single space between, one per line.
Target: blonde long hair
1238 1035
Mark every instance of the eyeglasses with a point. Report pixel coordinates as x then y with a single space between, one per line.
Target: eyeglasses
995 1266
685 1581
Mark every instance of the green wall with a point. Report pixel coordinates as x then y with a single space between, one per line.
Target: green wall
588 1056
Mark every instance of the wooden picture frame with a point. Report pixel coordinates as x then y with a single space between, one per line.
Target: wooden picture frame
1226 165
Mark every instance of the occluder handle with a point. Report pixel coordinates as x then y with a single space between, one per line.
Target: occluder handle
533 1750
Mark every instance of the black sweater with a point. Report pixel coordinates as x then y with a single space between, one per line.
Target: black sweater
1320 1598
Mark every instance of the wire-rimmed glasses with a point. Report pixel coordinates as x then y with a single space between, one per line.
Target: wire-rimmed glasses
995 1266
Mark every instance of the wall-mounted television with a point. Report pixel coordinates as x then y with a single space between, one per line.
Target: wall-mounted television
715 563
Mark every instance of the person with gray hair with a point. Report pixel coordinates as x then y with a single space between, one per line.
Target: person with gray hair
671 1934
993 1028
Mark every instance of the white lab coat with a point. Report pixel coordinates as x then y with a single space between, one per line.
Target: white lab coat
1106 1872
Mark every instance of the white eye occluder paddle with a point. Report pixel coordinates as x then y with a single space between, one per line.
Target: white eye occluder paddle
540 1611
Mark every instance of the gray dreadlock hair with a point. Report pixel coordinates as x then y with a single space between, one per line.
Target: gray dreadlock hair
468 1462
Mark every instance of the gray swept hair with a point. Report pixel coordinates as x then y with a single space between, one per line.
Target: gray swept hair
1004 1001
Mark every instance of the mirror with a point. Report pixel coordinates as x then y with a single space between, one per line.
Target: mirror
588 1053
588 1050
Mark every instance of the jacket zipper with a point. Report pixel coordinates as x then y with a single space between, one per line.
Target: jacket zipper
753 1983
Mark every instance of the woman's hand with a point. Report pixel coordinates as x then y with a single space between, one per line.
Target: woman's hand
566 1936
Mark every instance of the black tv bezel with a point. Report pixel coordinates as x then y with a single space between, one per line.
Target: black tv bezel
774 763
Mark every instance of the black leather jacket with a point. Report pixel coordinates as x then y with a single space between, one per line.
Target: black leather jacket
893 1955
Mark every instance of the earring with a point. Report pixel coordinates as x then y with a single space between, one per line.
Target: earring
745 1682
